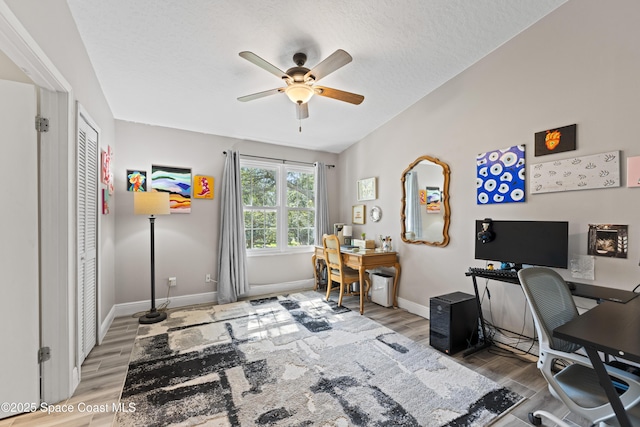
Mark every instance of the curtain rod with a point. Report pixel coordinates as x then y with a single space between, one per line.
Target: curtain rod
280 160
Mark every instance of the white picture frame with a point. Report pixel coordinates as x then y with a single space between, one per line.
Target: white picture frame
367 189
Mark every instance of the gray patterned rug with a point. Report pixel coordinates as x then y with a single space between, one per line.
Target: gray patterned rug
297 360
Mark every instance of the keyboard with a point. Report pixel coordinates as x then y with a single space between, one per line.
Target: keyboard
498 274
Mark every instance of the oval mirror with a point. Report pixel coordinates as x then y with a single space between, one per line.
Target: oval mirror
425 202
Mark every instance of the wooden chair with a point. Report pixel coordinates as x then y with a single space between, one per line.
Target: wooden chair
338 272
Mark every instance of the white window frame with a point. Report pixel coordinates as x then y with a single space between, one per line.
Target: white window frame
281 208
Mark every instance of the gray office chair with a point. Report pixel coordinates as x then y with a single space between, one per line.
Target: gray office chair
576 385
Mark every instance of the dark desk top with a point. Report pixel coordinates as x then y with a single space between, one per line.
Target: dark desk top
601 293
608 327
583 290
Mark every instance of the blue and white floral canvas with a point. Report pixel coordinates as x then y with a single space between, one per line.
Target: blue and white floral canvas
500 176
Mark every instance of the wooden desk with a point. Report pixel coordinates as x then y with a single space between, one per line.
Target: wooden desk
613 329
362 261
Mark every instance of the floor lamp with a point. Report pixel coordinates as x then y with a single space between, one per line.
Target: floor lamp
151 203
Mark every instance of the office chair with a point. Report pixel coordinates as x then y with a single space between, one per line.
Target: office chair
336 271
576 385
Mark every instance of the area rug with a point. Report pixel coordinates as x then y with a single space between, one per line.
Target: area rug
296 360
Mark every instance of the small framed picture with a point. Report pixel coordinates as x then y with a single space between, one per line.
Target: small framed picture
608 240
136 180
357 214
367 189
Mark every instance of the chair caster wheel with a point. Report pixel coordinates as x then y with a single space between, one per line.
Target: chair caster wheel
536 421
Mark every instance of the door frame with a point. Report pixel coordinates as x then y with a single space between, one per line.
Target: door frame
60 374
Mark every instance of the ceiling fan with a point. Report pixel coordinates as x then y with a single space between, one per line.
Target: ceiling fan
300 81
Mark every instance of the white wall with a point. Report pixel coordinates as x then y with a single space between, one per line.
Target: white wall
186 244
578 65
10 71
51 25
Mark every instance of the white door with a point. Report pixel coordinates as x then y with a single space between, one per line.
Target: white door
87 234
19 264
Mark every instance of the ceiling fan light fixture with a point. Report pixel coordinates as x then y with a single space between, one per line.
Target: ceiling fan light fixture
299 93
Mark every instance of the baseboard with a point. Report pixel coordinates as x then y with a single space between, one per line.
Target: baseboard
414 308
104 327
130 308
279 288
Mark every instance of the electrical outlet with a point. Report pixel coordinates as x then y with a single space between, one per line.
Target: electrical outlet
172 282
207 278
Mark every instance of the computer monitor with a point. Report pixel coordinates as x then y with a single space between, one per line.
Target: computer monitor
539 243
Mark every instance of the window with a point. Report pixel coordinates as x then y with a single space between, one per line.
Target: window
279 206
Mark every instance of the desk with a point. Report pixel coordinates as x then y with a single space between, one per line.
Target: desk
613 329
583 290
362 261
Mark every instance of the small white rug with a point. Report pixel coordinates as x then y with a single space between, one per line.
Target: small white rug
297 360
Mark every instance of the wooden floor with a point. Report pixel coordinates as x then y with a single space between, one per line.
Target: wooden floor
105 368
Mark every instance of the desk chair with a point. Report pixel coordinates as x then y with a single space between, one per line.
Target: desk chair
336 271
577 384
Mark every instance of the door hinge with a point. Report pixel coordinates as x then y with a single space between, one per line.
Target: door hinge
42 124
44 354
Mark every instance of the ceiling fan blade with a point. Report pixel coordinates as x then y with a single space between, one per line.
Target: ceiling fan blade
340 95
260 94
255 59
302 111
337 59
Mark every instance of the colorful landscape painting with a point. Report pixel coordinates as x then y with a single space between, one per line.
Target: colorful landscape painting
175 181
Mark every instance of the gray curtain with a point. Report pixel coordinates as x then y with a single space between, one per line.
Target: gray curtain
322 225
414 217
232 255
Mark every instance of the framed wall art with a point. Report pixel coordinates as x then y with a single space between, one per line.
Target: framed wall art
106 202
357 214
555 140
367 189
500 176
175 181
578 173
136 180
433 200
608 240
422 194
633 171
203 187
105 165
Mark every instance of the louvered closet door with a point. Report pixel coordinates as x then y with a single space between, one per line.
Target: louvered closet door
87 235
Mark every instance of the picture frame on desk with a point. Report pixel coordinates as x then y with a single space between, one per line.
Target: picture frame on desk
357 214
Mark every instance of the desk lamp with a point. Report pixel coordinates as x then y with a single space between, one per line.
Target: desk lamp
151 203
347 232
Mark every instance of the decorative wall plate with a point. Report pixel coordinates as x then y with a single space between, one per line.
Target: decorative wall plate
375 214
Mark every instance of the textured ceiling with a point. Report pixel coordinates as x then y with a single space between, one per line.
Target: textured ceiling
175 63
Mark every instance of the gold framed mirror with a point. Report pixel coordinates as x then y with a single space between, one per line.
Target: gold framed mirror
425 213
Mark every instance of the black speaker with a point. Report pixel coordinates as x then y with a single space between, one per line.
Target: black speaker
453 323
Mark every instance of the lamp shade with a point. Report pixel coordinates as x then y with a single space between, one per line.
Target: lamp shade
347 231
151 203
299 92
